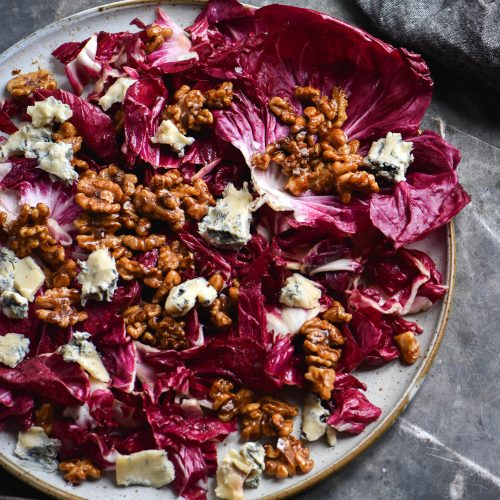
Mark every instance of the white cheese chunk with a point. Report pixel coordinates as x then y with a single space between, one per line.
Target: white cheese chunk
14 305
227 224
83 352
168 133
55 158
28 277
240 469
313 418
331 435
13 349
390 157
23 141
182 298
7 261
36 447
300 292
48 111
116 92
98 277
145 468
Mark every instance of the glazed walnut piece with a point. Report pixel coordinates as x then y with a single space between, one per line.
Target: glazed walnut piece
77 470
316 154
156 35
63 276
266 416
24 85
288 458
322 344
149 324
227 403
29 234
191 107
408 346
221 97
169 198
99 195
44 418
56 306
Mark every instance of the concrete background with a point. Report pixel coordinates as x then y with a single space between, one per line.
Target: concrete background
446 445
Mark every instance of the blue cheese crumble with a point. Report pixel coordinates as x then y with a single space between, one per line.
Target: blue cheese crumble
300 292
48 111
227 225
389 157
14 305
24 140
116 92
55 158
313 418
37 448
13 349
239 469
168 133
98 276
82 351
145 468
182 298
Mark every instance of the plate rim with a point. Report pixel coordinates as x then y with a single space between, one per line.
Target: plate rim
382 426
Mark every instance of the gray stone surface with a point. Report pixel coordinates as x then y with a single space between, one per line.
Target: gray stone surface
447 443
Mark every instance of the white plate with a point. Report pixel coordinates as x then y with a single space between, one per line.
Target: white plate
390 387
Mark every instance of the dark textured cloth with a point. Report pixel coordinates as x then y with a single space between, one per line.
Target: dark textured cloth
461 34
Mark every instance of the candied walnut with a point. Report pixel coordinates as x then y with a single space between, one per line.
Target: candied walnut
67 133
261 161
144 243
267 417
91 243
156 36
56 306
217 281
227 403
356 181
44 418
340 97
125 180
129 269
119 121
188 112
162 206
136 318
336 313
315 119
169 333
98 225
298 184
221 97
308 94
234 292
168 197
77 470
287 458
321 343
172 278
131 220
99 195
63 276
219 312
322 380
30 234
174 255
408 346
24 85
144 322
283 110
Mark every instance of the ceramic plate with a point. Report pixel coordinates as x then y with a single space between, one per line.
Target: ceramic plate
390 387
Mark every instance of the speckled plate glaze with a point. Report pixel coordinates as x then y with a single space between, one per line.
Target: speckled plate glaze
390 387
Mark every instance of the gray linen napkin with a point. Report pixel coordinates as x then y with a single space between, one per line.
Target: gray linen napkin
461 34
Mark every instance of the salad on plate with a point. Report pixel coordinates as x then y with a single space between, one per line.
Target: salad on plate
209 220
